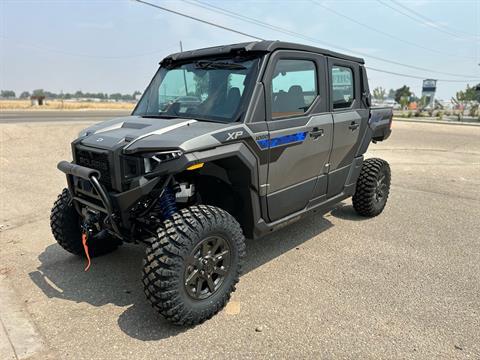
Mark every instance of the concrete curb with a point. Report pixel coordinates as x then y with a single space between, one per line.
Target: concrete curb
437 122
18 337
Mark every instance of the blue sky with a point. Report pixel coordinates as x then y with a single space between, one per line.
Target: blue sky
112 46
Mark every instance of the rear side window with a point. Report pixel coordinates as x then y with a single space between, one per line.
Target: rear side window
342 87
294 87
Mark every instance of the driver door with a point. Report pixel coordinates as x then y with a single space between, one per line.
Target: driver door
300 131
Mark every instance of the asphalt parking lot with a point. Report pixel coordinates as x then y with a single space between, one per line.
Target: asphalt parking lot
403 285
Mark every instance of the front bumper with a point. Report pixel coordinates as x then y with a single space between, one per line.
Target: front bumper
91 175
85 189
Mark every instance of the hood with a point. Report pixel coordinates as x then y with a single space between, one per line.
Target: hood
135 133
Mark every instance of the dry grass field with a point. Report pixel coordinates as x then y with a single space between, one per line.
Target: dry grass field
64 105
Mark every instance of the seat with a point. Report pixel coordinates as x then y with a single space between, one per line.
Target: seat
233 99
278 101
288 103
227 106
295 99
213 104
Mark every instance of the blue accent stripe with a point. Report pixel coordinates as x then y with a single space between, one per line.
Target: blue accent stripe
282 140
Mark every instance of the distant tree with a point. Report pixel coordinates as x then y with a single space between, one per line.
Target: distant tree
38 92
78 94
115 96
7 94
402 95
391 94
422 102
135 93
469 94
50 95
379 93
24 95
414 97
127 97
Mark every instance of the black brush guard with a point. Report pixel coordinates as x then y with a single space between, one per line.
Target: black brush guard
92 176
111 203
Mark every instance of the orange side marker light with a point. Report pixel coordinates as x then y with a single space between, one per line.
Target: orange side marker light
195 166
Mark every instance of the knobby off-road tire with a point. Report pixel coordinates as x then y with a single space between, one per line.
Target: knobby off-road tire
190 242
373 187
65 224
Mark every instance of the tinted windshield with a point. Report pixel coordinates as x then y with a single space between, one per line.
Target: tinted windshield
208 89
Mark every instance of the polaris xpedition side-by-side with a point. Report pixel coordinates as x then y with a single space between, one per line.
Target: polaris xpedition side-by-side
226 142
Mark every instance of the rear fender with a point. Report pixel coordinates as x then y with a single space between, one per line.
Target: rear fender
381 123
379 128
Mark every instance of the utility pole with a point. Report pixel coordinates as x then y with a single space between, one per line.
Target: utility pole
184 74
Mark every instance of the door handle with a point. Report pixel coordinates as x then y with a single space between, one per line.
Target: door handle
353 125
316 133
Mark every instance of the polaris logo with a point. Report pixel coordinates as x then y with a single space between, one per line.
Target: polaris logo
94 164
234 135
100 139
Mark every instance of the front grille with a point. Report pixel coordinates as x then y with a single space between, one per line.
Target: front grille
97 161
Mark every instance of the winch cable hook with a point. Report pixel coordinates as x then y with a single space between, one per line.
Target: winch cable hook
85 248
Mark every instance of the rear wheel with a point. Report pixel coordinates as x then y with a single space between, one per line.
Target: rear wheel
373 187
65 225
192 266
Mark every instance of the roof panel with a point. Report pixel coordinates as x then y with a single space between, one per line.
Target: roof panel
258 46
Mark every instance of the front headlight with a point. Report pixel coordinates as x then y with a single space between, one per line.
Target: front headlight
151 160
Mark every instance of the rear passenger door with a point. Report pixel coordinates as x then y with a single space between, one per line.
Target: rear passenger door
349 120
300 130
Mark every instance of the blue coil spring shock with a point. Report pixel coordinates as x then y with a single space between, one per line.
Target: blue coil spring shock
167 203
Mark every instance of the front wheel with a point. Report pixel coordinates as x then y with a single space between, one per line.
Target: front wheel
192 266
373 187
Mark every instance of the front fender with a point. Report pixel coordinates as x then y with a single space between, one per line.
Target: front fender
237 150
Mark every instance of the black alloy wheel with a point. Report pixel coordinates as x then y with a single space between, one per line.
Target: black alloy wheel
381 189
207 267
193 264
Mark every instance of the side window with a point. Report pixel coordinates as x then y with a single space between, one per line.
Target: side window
294 87
342 87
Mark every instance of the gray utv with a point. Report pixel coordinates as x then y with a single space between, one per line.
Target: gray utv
226 142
